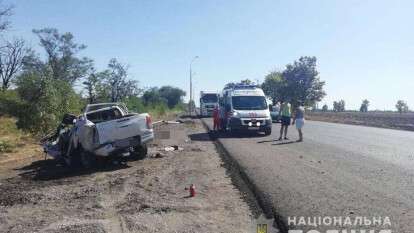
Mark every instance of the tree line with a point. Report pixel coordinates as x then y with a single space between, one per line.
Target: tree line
39 90
299 84
339 106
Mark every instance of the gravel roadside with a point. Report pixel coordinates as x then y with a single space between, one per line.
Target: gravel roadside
140 196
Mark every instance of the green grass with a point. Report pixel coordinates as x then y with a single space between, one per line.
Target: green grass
158 111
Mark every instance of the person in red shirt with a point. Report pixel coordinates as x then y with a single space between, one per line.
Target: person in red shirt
216 119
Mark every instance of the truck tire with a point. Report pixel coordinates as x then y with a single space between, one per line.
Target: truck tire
72 158
87 160
139 152
235 132
268 131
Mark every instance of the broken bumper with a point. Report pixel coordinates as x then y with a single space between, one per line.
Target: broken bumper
112 148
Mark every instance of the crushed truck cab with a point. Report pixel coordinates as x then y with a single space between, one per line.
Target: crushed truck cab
103 130
113 129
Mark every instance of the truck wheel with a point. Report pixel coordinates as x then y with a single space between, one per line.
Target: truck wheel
87 160
139 152
235 132
72 159
268 131
72 162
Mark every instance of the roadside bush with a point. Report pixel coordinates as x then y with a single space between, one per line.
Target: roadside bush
8 127
45 101
179 107
158 110
339 106
172 95
135 104
10 102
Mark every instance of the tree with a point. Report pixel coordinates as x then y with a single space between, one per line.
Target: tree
32 63
229 85
339 106
118 75
91 85
45 101
152 97
117 78
273 86
135 104
364 106
325 108
246 81
303 86
402 106
5 13
46 88
172 95
61 51
11 61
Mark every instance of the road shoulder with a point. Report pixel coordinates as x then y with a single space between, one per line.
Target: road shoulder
141 196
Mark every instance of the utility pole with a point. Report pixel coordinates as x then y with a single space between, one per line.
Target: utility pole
191 87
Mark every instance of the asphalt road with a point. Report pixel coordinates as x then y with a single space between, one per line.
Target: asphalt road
338 170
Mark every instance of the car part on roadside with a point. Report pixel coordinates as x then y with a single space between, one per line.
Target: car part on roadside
191 190
167 122
158 155
173 148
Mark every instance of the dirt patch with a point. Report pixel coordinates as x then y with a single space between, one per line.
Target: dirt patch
390 120
149 195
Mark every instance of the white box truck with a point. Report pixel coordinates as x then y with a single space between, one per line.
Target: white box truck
208 100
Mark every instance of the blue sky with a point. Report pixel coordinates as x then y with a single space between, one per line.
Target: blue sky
364 48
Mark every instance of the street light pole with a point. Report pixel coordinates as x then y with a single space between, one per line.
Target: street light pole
191 87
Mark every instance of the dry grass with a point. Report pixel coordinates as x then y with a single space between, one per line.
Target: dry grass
11 138
9 135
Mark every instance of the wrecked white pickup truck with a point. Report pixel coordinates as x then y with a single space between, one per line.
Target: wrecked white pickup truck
102 131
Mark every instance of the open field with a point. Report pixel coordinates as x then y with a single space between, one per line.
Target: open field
390 120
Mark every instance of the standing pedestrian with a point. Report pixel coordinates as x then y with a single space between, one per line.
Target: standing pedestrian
299 121
216 119
285 112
